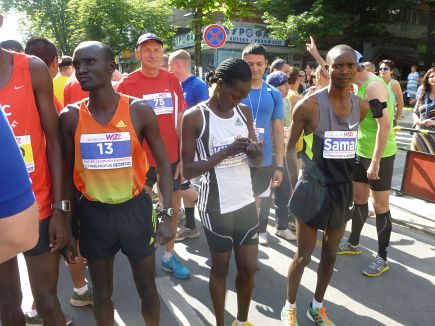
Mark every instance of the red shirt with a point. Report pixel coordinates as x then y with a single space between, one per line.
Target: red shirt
72 91
18 103
164 94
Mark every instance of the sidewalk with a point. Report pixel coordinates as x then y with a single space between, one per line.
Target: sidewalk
413 212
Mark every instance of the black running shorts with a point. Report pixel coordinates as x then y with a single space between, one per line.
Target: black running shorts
386 169
151 177
225 231
106 228
43 244
320 206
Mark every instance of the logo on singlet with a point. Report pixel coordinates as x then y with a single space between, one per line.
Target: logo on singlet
18 87
121 124
238 122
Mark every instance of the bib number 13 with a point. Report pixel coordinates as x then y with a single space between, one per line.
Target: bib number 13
105 148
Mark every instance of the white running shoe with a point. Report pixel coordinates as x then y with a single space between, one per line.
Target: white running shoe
262 238
286 234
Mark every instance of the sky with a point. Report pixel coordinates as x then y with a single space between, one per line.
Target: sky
9 30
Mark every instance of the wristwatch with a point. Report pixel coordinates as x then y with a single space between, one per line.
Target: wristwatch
280 168
63 205
169 212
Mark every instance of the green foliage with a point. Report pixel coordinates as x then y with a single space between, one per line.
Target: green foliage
117 23
355 20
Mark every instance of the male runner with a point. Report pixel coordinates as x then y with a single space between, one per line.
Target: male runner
265 101
373 170
194 92
26 99
322 198
163 93
104 158
65 71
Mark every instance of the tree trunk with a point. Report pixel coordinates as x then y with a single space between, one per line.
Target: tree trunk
197 18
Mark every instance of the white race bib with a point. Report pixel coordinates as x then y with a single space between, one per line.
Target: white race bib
339 144
106 151
25 144
160 102
230 161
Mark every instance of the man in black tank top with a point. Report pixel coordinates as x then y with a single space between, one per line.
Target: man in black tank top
322 198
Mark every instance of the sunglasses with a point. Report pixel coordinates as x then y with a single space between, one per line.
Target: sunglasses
384 69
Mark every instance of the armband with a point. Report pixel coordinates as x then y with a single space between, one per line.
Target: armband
376 107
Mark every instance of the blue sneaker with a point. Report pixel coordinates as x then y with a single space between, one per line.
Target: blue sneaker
173 265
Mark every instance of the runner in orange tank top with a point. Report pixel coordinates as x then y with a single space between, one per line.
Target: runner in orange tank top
102 140
26 98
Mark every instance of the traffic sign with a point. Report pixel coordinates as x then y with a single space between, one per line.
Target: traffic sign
214 36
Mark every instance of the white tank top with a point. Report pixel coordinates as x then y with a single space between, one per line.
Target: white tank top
227 187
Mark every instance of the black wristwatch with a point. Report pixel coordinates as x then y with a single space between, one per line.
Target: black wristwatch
280 168
63 205
169 212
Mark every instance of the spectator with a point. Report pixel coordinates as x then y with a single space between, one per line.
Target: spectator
411 87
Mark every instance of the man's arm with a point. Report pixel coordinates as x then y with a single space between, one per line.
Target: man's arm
43 92
397 90
312 48
254 150
377 91
278 138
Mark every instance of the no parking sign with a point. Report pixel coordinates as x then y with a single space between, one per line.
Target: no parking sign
215 36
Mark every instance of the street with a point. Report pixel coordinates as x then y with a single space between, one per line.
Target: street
402 296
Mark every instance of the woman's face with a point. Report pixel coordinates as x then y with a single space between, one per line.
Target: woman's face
431 79
384 71
230 96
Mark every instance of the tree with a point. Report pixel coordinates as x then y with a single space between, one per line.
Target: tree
204 12
117 23
357 20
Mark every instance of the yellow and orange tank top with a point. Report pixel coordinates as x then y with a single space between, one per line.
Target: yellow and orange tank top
110 165
17 101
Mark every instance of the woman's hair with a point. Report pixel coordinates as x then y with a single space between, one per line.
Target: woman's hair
426 86
230 71
388 63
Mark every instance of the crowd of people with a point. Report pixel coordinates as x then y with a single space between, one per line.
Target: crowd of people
315 143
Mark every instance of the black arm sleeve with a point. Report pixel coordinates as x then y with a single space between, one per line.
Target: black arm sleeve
376 107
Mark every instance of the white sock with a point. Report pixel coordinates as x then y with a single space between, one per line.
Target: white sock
239 323
315 304
289 305
81 290
167 255
32 313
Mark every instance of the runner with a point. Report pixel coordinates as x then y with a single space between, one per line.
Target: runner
322 198
115 212
26 99
65 71
373 170
162 91
265 102
221 133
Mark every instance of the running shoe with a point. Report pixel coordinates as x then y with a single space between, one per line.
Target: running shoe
286 234
262 238
186 233
288 317
246 323
318 315
173 265
345 248
377 267
82 300
37 320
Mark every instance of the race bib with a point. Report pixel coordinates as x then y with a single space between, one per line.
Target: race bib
25 144
339 144
230 161
106 151
160 102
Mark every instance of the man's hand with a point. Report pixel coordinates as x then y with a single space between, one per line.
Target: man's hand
311 47
239 145
276 179
69 253
373 171
164 232
57 234
254 150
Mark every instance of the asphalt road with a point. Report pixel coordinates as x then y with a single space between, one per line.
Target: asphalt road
403 296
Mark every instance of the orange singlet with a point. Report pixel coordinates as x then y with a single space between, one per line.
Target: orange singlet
110 165
18 103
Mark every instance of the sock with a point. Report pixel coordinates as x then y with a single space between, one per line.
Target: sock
289 305
383 226
239 323
81 290
32 313
316 305
360 214
190 217
167 255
